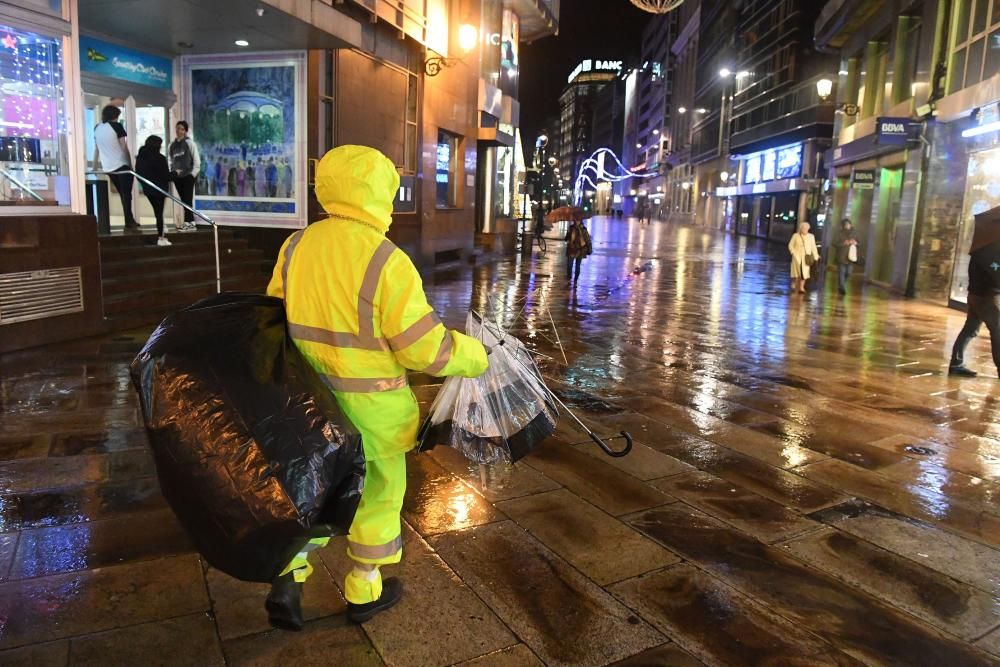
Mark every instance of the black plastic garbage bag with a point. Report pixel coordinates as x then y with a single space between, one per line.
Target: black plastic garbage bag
252 452
503 414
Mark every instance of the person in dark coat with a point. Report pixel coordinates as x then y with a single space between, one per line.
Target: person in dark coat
578 246
845 241
984 292
151 165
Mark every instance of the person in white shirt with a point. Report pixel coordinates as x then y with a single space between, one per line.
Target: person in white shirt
112 147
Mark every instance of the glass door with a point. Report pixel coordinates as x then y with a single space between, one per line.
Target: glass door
889 195
141 120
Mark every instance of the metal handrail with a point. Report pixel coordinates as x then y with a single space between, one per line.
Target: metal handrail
215 226
24 188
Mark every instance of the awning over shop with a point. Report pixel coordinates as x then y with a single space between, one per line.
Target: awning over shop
213 26
770 187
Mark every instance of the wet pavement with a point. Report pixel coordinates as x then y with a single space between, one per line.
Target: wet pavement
808 487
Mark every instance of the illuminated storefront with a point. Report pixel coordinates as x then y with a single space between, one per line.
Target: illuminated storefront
982 190
36 154
773 192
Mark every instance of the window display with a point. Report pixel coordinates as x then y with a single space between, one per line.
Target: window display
982 193
32 119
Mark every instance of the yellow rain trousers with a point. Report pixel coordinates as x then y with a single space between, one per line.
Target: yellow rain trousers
357 311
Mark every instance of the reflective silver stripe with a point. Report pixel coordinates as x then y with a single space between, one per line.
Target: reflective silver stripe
364 385
415 331
294 241
369 286
378 551
310 334
443 355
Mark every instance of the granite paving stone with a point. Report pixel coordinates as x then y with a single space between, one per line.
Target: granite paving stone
593 480
93 544
865 629
102 599
439 621
565 618
48 654
502 481
437 501
913 500
718 624
515 656
239 605
670 655
155 644
318 644
941 601
759 516
958 557
597 544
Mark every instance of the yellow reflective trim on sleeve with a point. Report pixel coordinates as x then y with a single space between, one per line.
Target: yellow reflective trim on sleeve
294 241
302 332
443 355
377 551
364 385
415 331
369 287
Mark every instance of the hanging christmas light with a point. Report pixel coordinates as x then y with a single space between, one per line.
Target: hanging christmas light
657 6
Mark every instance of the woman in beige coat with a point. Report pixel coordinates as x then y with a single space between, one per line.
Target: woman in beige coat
804 255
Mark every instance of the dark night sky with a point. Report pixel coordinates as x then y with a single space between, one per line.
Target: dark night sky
601 29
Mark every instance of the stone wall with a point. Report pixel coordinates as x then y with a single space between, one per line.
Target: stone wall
941 203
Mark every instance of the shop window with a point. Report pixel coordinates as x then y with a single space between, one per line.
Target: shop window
957 71
974 64
33 150
446 172
979 16
974 43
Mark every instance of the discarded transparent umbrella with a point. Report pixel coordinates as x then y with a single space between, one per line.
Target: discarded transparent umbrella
503 414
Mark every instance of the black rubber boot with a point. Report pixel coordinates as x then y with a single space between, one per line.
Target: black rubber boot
284 603
392 591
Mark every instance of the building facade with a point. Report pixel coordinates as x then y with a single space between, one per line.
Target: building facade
576 113
679 199
268 88
917 139
777 126
710 105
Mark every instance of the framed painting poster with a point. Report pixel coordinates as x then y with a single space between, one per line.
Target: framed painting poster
247 114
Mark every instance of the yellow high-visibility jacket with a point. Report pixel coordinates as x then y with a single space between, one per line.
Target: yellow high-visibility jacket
356 307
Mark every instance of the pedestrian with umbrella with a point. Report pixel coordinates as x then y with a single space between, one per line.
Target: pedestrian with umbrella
578 246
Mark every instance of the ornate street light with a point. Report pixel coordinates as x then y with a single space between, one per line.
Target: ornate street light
468 35
657 6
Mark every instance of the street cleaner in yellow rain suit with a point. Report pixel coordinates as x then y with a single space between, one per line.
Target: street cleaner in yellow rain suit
356 310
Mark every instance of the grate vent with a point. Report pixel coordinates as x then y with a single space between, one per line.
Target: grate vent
35 295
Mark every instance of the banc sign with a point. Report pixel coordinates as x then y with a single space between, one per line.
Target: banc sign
591 65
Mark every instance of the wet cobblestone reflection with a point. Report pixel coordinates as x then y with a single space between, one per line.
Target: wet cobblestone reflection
808 487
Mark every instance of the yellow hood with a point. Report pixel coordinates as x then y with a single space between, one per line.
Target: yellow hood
357 182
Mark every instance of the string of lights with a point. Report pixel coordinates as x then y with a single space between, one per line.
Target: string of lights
600 173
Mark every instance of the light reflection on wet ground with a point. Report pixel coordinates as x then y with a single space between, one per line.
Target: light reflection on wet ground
813 489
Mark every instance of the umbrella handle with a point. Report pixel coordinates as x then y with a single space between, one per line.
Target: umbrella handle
610 452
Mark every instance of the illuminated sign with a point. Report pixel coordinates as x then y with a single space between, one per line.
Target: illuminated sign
893 130
767 170
774 164
863 179
590 65
751 174
789 162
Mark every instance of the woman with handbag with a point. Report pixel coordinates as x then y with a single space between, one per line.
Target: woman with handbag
804 255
